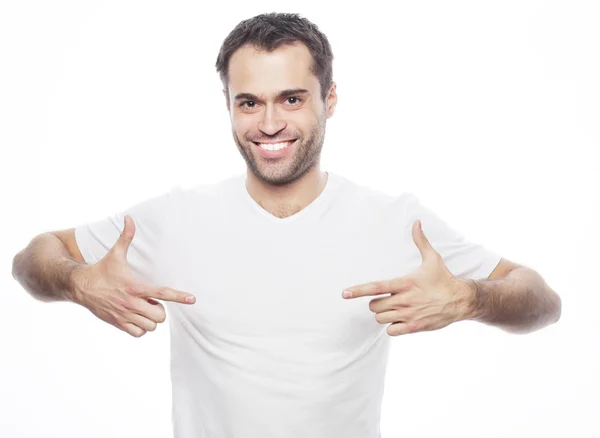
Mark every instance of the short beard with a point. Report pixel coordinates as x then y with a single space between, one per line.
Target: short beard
306 156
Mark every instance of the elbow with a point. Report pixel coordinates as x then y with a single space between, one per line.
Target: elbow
15 266
556 307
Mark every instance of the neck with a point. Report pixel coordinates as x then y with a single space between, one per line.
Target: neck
288 199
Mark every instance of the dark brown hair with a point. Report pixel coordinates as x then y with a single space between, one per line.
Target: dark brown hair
270 31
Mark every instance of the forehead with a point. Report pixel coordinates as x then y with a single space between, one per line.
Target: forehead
264 73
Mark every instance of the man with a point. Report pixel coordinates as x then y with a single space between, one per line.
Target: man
270 347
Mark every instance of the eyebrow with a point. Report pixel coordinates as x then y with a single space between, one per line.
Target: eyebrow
281 94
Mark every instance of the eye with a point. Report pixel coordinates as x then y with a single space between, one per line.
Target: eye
246 104
294 97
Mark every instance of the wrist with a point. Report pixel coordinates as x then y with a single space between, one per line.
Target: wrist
73 291
468 293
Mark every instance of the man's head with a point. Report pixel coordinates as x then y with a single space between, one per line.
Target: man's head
262 57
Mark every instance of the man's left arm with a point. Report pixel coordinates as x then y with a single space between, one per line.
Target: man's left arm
519 302
514 298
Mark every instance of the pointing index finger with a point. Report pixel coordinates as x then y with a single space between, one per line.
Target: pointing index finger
378 287
168 294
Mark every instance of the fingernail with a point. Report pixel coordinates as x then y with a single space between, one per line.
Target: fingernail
347 294
190 299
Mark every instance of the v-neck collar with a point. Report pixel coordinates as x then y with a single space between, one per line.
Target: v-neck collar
326 193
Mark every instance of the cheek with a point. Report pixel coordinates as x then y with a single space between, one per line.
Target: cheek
244 125
242 130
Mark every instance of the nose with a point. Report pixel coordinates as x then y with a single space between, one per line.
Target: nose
271 122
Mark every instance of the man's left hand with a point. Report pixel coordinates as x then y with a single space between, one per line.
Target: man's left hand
429 298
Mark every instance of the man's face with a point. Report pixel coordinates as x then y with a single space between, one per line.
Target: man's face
263 115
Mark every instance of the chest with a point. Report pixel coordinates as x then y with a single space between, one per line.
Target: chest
282 292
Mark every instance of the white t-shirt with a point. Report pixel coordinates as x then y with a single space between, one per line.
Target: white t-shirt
270 349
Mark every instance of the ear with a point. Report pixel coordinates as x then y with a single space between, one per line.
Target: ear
226 99
331 101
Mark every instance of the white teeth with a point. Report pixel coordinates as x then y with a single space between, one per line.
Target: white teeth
275 146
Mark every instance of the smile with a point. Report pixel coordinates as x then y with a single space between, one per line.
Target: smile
274 146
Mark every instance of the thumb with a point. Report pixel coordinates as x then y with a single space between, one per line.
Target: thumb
122 244
421 241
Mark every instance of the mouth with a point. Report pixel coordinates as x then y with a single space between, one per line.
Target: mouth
275 150
270 146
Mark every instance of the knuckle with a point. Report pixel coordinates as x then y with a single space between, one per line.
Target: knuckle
407 314
411 327
157 292
119 299
132 332
423 326
120 322
377 287
127 328
131 329
133 290
173 295
132 304
126 302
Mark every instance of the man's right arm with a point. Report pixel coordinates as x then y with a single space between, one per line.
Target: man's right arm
45 267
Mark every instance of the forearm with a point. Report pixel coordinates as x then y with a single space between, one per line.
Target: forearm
44 269
521 302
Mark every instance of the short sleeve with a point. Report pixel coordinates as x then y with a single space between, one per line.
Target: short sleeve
465 259
150 218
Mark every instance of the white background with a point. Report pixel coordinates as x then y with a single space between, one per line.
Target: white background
488 111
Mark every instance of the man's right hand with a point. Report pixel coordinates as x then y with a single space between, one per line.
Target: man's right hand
111 292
